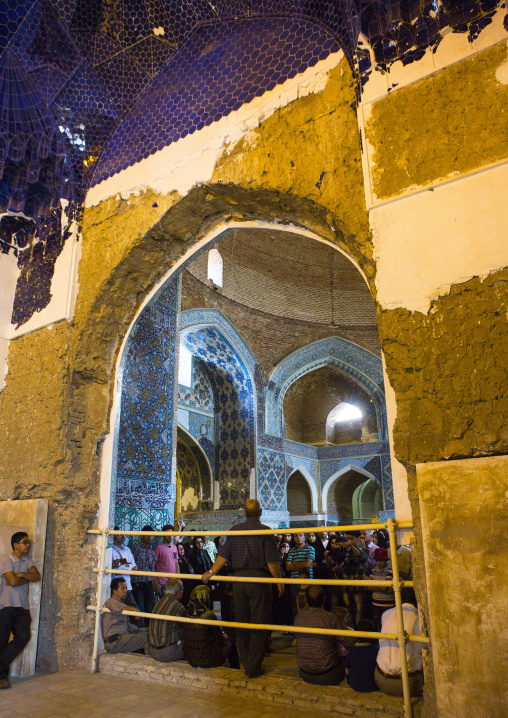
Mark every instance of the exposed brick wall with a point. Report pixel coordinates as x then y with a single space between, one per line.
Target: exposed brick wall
287 691
298 493
270 271
310 399
270 337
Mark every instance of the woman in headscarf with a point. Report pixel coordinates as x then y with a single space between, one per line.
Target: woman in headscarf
316 543
204 646
185 567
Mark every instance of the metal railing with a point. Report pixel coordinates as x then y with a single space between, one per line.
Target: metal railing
402 637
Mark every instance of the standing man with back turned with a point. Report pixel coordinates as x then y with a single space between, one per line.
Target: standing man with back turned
17 573
250 556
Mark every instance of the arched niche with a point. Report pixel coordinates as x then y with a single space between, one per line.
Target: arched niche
194 475
338 492
301 492
367 501
358 364
229 366
309 403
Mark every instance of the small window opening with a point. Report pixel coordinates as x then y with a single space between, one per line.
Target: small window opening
185 366
342 413
215 266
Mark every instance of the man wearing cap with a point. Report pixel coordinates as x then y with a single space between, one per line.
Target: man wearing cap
382 596
250 556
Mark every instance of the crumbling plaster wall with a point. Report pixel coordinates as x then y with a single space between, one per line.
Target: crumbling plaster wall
436 192
59 388
60 380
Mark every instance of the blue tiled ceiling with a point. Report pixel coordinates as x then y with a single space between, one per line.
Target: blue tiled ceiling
92 86
217 70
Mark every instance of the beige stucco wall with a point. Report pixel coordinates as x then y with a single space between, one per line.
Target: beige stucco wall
464 522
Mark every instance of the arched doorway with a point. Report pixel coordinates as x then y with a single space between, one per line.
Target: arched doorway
158 311
351 494
367 502
193 475
302 497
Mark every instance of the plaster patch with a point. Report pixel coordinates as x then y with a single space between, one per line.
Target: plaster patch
502 72
191 160
4 353
425 243
399 474
10 272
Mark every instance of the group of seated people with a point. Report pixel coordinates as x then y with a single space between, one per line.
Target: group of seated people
355 555
369 664
323 659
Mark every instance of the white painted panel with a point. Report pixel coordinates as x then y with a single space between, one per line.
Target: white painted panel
425 243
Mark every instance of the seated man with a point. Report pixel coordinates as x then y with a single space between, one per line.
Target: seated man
165 637
319 657
388 669
119 634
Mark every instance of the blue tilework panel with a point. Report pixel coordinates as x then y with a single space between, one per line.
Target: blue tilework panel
271 480
193 318
202 429
137 493
234 407
386 482
135 519
199 395
221 67
144 442
370 463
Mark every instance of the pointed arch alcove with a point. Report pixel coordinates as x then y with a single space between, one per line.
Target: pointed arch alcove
350 493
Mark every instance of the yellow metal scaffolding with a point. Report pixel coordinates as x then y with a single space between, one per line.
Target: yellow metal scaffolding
401 636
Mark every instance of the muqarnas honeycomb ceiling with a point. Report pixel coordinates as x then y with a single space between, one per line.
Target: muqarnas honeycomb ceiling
90 87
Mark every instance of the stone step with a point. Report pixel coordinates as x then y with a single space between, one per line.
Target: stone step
341 700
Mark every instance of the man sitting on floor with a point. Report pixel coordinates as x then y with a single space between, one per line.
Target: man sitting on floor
319 656
119 634
388 673
165 637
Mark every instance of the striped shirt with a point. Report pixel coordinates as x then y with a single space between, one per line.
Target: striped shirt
379 598
166 633
301 554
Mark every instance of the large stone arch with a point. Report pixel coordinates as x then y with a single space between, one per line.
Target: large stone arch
190 226
357 363
129 248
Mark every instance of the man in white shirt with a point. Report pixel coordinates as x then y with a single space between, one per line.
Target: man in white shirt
122 557
388 669
368 543
17 573
323 535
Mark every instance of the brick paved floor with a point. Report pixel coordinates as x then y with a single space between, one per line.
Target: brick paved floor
78 694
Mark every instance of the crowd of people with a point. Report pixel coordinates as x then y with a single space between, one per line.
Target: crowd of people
369 664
